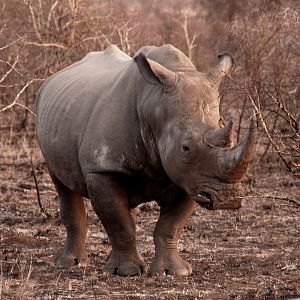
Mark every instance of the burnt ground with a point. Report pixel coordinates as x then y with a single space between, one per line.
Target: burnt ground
253 253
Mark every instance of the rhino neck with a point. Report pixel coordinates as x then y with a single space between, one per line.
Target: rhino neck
148 102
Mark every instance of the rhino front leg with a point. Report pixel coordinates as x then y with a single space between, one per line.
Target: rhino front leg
73 217
173 217
110 202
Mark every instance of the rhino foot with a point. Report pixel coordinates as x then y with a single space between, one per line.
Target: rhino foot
170 265
68 259
129 266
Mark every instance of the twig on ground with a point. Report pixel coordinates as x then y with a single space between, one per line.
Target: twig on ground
297 203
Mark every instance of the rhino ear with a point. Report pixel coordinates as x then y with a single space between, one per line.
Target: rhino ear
223 68
153 72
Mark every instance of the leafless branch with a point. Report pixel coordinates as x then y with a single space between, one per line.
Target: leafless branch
73 4
54 5
258 113
55 45
11 43
12 67
15 101
291 120
28 3
190 41
2 28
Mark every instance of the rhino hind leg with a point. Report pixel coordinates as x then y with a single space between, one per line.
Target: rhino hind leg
73 216
110 203
173 217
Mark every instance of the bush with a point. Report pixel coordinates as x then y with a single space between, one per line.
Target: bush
41 37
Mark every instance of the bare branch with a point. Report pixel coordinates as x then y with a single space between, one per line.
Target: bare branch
11 43
40 15
9 86
35 26
291 120
55 45
258 113
74 10
51 12
12 66
14 102
27 108
10 70
190 42
2 28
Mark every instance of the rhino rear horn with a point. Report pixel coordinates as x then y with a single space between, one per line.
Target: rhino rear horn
223 68
222 137
234 161
153 72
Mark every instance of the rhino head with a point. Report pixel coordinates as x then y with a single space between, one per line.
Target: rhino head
195 151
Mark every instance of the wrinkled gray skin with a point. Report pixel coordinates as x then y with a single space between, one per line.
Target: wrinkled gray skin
123 131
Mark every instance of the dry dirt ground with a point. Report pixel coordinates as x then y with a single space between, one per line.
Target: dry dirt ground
250 254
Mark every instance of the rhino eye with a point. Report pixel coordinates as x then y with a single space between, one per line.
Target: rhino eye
185 150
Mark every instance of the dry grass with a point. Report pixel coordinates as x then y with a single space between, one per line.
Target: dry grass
250 254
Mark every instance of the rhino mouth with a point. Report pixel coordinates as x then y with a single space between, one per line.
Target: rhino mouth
205 200
211 201
218 197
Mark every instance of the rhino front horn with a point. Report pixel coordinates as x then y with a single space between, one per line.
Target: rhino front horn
222 137
223 68
234 161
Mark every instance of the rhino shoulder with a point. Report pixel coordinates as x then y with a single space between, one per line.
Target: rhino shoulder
114 50
111 53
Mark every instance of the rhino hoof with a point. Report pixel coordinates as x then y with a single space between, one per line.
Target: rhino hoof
68 260
168 266
126 268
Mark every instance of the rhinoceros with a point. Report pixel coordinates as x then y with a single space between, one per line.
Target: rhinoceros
122 131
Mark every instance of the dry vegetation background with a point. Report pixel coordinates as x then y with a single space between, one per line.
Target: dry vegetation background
252 254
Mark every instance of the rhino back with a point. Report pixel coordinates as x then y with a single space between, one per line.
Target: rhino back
66 104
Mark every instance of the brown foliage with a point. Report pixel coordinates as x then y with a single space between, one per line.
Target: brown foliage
38 38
